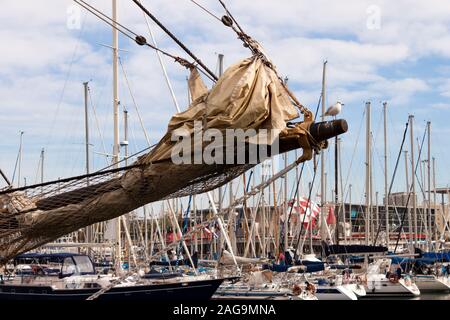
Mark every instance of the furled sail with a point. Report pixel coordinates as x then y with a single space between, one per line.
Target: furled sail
249 95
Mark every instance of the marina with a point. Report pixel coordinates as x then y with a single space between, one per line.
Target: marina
234 189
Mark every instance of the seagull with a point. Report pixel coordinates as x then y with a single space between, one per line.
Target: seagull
334 109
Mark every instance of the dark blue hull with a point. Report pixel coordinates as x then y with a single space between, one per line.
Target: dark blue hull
183 291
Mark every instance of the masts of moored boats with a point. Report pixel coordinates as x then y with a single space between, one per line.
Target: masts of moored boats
413 180
19 165
429 235
368 173
323 225
116 145
410 225
386 191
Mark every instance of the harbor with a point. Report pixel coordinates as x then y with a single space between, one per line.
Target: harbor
161 178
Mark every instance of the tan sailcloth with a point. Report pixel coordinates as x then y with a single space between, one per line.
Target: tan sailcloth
249 95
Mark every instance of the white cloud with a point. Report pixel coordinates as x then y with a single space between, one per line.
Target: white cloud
38 49
444 88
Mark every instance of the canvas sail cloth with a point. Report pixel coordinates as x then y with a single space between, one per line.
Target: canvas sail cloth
248 95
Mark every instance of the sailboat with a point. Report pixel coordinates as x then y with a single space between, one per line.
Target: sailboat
35 215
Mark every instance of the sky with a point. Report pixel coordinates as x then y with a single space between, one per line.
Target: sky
378 51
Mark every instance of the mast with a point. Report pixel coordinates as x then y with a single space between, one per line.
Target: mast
42 158
286 227
377 214
20 158
368 191
341 203
410 228
386 191
413 180
86 125
89 229
434 197
336 187
42 164
429 235
350 211
322 162
116 148
220 61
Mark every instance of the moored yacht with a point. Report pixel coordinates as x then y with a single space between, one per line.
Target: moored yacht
77 280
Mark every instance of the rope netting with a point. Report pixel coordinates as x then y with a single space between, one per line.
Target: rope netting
41 214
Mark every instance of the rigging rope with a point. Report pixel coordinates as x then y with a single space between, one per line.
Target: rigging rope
134 103
140 40
197 60
409 196
299 179
76 178
206 10
394 174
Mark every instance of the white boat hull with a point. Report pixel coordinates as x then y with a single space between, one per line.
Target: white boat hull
335 293
380 286
430 283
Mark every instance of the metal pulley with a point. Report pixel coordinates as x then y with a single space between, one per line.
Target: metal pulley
227 21
140 40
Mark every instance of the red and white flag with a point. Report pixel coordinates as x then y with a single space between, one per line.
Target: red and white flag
306 210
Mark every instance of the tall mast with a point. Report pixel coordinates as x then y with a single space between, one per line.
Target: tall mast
336 187
386 191
350 212
429 236
286 217
116 148
86 125
413 180
434 197
42 167
410 228
220 61
20 158
322 161
368 191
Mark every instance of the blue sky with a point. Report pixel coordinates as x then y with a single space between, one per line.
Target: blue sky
377 51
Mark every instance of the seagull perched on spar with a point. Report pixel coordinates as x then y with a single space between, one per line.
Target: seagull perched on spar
334 110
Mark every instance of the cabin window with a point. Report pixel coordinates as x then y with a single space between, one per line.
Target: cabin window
84 264
68 266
